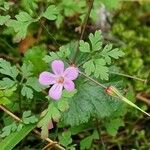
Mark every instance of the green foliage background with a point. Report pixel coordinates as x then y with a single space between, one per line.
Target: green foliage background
31 37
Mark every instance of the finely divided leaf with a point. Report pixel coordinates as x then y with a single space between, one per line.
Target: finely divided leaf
20 25
96 40
7 69
14 138
65 139
109 53
4 19
90 101
84 46
26 91
98 67
28 118
101 70
51 13
63 53
27 69
89 67
7 83
34 83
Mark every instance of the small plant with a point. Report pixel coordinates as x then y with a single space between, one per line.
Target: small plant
74 91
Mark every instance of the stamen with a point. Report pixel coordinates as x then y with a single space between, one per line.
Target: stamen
60 79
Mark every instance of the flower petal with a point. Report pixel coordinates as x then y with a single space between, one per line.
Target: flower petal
47 78
71 73
55 91
69 85
58 67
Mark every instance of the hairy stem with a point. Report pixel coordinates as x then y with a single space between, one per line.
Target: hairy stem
83 26
103 86
129 76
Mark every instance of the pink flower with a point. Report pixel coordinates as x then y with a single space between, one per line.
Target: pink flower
59 79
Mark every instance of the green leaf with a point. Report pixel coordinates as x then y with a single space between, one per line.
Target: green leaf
24 17
26 69
9 92
7 5
20 25
63 53
96 40
14 138
101 70
98 67
54 112
90 101
7 83
5 94
4 19
86 143
44 122
6 131
28 118
9 129
51 13
111 4
109 53
7 69
34 83
4 101
113 125
28 92
84 46
63 103
65 139
89 67
34 55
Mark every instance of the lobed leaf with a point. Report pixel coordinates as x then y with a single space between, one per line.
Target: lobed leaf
84 46
51 13
7 69
14 138
4 19
26 91
90 101
96 40
109 53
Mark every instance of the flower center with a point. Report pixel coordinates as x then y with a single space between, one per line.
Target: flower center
60 79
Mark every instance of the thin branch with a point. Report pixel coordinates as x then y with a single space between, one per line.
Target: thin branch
48 146
56 145
83 26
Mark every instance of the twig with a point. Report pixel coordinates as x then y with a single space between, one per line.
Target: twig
144 99
48 146
83 26
56 145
